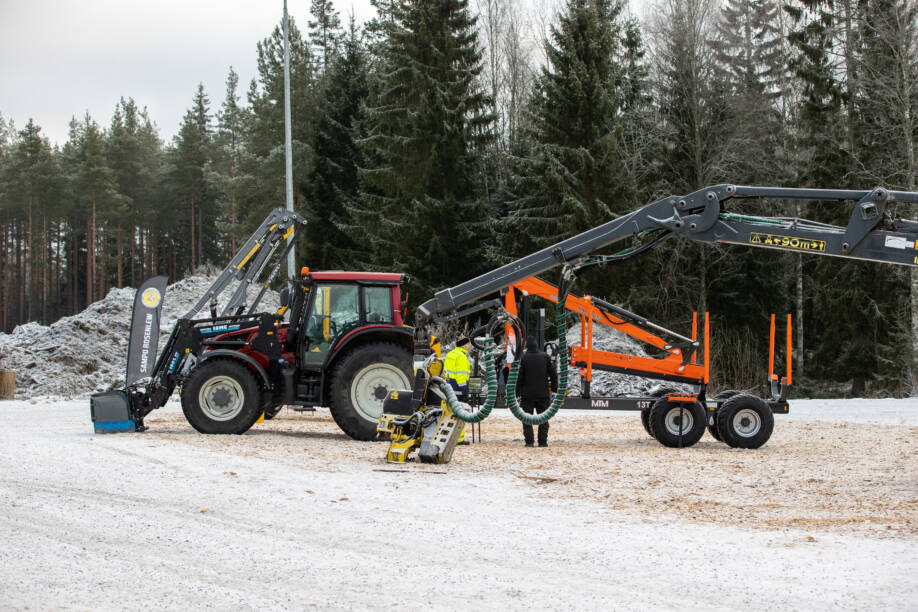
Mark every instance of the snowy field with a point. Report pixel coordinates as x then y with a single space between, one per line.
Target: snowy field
294 516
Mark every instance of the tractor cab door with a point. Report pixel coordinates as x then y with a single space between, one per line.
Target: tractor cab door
334 311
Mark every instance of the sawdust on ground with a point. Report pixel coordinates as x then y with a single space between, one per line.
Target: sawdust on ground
845 478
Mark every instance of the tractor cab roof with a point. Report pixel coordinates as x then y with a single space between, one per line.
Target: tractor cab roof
386 278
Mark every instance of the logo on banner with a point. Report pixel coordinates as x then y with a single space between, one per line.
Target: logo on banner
151 298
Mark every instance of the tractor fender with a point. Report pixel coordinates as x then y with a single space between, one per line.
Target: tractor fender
397 334
265 380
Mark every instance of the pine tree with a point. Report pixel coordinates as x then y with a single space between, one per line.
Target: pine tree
324 33
189 156
31 183
97 197
224 173
421 211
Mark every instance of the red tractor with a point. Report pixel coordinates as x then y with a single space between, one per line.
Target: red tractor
338 340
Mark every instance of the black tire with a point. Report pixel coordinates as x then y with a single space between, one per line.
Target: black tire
221 397
645 412
712 419
664 421
356 369
745 421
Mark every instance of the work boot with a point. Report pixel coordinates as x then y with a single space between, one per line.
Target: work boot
529 444
543 444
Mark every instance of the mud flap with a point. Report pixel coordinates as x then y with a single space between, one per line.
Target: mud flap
111 412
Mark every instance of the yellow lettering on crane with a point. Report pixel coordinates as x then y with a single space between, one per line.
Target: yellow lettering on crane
787 242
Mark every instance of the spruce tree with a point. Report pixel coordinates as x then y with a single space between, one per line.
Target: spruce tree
421 212
334 183
264 161
573 175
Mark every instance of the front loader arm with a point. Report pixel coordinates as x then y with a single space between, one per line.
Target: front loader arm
870 235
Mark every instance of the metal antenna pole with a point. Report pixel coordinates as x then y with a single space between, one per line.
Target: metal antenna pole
291 256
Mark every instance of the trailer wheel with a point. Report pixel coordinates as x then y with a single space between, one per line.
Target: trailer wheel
712 419
361 382
666 419
745 421
645 412
221 397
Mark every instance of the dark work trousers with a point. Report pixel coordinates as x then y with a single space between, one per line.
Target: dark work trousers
533 406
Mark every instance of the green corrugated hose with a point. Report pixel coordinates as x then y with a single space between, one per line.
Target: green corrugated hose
544 416
484 410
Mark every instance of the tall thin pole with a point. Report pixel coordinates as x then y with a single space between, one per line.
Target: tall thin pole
291 256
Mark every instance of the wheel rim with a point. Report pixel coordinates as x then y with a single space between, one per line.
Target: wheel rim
673 419
221 398
747 423
371 387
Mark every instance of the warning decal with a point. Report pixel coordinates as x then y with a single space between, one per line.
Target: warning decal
787 242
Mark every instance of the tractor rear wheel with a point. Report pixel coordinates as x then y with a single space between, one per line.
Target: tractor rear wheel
361 382
676 424
745 421
221 397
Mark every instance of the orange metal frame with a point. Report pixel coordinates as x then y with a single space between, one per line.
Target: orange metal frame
771 352
585 356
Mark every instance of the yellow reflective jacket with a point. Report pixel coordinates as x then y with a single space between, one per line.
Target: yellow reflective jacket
457 369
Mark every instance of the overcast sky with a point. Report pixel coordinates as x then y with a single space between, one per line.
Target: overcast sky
60 58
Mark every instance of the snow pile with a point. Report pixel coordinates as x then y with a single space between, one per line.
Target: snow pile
612 384
87 352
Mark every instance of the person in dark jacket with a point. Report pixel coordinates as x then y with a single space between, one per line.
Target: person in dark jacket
534 385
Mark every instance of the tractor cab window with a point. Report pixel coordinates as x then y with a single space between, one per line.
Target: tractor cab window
377 303
335 310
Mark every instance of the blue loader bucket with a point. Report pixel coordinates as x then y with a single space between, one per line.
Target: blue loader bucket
111 412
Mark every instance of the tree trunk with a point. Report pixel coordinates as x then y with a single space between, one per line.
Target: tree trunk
101 270
120 255
90 253
193 252
45 247
20 280
3 272
30 280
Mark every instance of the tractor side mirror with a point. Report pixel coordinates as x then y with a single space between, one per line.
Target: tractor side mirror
285 297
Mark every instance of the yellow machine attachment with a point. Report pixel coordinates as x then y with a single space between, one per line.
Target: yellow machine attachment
411 424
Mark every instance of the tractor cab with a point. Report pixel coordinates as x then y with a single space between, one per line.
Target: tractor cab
328 308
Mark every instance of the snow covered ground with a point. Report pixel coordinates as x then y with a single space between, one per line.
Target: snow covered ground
182 521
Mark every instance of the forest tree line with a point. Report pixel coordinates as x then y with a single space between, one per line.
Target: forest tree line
443 138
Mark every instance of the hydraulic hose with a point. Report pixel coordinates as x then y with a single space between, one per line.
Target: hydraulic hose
482 412
558 401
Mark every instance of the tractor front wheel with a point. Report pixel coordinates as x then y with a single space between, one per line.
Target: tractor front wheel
221 397
361 382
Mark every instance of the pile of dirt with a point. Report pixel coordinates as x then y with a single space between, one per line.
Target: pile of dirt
87 352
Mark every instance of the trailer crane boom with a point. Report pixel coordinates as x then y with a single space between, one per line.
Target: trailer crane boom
871 234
